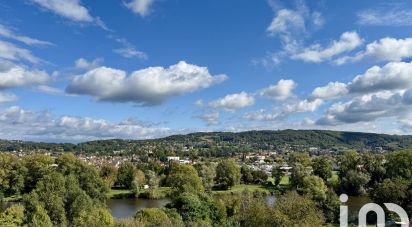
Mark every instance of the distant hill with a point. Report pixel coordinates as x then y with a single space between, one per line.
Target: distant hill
241 141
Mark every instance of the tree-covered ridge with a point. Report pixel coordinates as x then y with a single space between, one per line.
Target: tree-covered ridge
295 140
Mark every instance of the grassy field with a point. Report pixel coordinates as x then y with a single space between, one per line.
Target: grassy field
119 193
157 193
244 187
285 181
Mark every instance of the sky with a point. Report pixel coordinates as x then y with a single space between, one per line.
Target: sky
80 70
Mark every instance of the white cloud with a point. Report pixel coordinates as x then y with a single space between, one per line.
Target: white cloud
12 75
49 90
330 91
130 52
286 22
210 118
233 102
150 86
315 53
9 51
17 123
367 108
303 106
7 97
385 17
280 91
8 33
291 26
386 49
71 9
263 115
141 7
82 63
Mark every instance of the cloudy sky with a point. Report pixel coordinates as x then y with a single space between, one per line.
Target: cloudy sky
78 70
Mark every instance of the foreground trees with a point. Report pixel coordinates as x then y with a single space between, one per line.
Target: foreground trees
227 174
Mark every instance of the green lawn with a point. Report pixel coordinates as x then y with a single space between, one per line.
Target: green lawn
243 187
284 181
119 193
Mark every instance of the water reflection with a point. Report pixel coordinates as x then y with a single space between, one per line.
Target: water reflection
126 208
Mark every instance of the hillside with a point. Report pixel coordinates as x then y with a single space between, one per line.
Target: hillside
232 142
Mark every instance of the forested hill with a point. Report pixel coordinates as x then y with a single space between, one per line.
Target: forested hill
241 141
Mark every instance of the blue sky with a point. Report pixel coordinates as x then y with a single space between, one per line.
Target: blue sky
77 70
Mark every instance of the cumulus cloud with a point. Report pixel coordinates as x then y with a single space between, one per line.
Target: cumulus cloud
7 97
303 106
367 108
141 7
330 91
316 53
385 49
12 75
10 34
394 76
18 123
280 91
150 86
82 63
385 17
233 102
12 52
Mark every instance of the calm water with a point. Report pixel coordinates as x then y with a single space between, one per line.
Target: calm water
126 208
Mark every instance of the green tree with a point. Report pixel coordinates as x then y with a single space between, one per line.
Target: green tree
12 216
322 167
391 191
276 174
40 218
153 217
138 182
227 174
349 160
314 187
108 173
299 172
292 209
125 175
96 217
374 166
184 178
354 182
399 165
207 171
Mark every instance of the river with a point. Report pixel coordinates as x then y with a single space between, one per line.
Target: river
127 208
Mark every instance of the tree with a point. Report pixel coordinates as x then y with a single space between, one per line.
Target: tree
247 177
314 187
299 158
153 217
37 165
349 160
96 217
12 216
184 178
299 172
108 173
191 207
399 165
374 166
330 206
138 182
207 171
391 191
292 209
354 182
276 174
125 175
40 218
322 167
227 174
